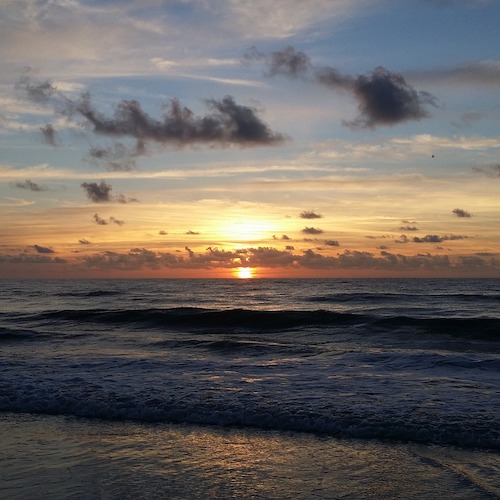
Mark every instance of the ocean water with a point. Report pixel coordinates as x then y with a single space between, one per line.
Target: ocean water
413 361
253 388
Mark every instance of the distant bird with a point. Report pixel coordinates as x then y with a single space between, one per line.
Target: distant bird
432 156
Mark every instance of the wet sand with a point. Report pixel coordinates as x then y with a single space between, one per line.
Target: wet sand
66 457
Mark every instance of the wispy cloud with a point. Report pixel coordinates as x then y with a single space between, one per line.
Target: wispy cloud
476 73
488 170
30 186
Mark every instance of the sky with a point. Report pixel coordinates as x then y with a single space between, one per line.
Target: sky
228 138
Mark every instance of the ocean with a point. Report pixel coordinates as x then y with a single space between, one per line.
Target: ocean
100 378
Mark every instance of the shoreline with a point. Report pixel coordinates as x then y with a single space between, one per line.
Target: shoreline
48 456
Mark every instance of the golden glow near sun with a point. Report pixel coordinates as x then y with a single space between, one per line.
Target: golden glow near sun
244 272
247 231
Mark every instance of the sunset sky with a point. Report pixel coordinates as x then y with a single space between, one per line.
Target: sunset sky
276 138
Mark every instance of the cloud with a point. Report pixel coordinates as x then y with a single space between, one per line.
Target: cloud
121 198
332 243
228 123
459 212
41 249
98 193
49 135
84 241
31 186
287 62
101 193
467 119
488 170
478 73
24 258
116 221
99 220
37 91
312 230
434 238
430 238
310 215
384 97
117 157
286 18
103 222
211 258
225 124
408 228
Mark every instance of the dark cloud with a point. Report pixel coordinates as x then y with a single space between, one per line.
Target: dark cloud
191 232
31 186
49 135
379 237
83 241
332 243
310 215
282 237
138 258
228 123
488 170
98 193
459 212
312 230
434 238
101 193
225 124
408 228
25 258
41 249
384 97
99 220
103 222
116 221
163 233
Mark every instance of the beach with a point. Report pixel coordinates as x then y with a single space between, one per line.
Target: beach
66 457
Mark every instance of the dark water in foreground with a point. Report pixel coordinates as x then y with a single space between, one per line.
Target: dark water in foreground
403 360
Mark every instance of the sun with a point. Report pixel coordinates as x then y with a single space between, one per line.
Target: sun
244 272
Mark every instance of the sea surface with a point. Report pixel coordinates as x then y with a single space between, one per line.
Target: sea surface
410 361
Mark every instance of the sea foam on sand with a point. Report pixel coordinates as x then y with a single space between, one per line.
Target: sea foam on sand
68 457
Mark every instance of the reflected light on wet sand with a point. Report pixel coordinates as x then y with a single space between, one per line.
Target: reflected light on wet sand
59 457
